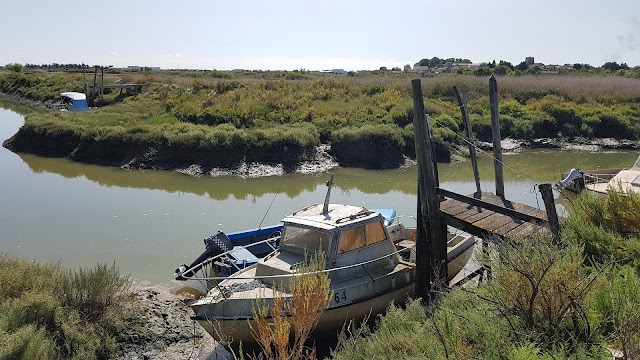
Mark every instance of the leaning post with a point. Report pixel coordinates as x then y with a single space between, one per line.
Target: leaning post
431 266
472 149
495 129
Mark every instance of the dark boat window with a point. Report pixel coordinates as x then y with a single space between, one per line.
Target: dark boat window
299 239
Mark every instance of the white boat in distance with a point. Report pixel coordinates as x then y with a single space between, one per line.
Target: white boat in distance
369 264
599 182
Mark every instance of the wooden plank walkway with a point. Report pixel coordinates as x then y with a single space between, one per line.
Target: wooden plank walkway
135 87
506 219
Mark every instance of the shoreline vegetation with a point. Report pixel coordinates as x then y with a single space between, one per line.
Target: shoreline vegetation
262 123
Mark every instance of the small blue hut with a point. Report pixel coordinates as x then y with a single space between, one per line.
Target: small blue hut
75 101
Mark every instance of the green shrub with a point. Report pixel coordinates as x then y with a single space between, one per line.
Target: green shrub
617 302
49 312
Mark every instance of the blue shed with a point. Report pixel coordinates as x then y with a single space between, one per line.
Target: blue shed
76 101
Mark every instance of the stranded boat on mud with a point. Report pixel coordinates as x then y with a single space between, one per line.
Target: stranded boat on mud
369 263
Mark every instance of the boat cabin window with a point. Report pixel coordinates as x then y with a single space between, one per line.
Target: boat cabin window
299 239
358 237
352 239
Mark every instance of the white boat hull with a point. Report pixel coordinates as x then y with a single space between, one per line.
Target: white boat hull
238 330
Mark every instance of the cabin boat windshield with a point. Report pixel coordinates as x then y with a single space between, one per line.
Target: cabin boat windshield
300 239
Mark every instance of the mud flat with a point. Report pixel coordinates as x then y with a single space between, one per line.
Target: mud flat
167 330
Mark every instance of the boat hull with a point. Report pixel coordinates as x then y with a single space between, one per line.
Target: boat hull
238 330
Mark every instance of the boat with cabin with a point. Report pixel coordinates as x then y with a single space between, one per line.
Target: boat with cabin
370 263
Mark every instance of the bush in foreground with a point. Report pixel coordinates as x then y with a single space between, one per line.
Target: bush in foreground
47 312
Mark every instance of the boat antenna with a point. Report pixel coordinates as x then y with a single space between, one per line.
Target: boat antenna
325 209
272 200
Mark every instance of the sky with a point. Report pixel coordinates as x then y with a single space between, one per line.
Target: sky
289 34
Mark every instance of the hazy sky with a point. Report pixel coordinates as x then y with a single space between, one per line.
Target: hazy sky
287 34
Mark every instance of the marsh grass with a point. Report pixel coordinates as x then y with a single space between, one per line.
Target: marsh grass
608 227
536 306
618 303
187 108
48 312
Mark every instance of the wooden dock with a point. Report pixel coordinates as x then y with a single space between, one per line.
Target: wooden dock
482 214
485 214
134 87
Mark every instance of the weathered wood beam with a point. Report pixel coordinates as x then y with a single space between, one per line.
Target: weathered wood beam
495 129
495 208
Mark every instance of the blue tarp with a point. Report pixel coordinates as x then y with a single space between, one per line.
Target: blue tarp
79 105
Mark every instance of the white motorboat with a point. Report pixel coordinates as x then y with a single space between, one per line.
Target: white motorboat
369 264
599 182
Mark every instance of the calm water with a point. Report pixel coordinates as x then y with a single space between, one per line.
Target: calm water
150 222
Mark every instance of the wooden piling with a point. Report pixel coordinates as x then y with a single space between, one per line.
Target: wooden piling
93 89
552 215
462 103
84 82
102 86
495 129
431 266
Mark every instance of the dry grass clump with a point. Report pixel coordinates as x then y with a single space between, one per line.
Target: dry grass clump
297 314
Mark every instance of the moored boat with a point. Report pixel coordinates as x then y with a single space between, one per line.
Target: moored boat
599 182
369 263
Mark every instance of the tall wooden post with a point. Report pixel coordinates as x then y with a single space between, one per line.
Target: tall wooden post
84 82
432 266
93 89
467 124
102 86
552 215
495 128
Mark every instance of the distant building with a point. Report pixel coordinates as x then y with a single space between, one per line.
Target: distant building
134 68
419 69
529 60
335 71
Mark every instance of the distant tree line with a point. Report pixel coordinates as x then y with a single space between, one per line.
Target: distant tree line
436 61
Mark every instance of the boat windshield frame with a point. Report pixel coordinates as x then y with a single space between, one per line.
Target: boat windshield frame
294 235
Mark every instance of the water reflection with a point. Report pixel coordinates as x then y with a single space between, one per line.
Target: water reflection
532 167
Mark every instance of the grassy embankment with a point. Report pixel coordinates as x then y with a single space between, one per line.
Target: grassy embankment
211 116
545 301
47 312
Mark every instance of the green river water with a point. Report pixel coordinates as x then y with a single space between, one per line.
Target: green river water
149 222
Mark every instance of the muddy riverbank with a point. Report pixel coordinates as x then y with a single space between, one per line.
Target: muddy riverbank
190 162
168 332
247 163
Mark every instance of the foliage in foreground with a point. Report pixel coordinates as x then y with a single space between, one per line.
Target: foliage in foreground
534 307
47 312
608 227
297 315
545 300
